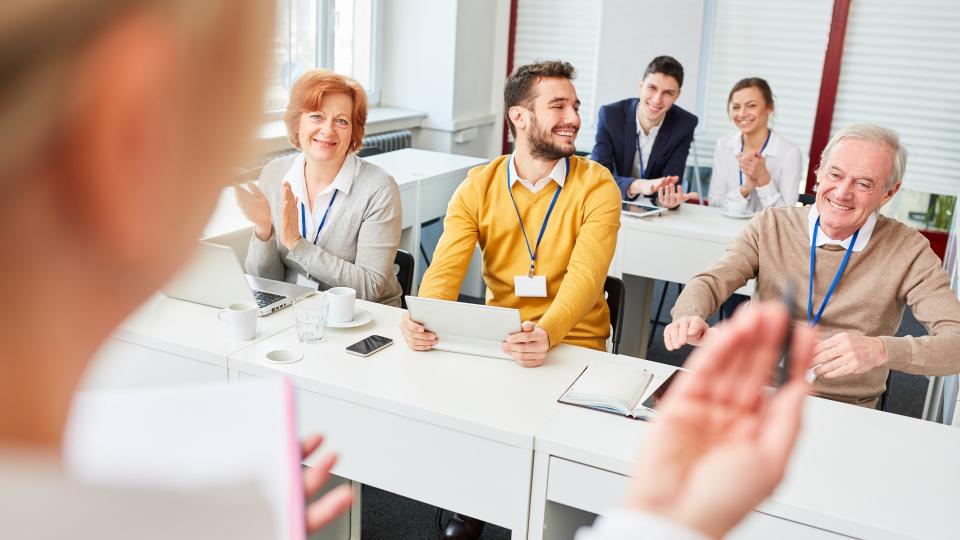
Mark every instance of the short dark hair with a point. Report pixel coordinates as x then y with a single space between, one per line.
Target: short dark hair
752 82
517 90
666 65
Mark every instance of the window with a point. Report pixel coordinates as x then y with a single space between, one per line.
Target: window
564 29
332 34
782 42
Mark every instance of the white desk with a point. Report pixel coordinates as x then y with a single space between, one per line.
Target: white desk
854 473
447 429
673 246
487 438
169 341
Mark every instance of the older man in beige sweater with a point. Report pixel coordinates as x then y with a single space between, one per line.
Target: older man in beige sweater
853 272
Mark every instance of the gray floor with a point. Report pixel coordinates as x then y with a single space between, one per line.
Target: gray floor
389 516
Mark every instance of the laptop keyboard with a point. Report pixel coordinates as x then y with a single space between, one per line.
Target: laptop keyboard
265 299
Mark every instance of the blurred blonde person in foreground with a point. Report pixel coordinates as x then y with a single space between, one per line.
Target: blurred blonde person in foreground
116 135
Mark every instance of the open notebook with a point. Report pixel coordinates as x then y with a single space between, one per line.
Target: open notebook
183 437
617 388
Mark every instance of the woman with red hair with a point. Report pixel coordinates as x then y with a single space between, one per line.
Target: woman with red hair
325 217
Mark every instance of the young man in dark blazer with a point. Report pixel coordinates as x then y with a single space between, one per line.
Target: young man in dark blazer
645 141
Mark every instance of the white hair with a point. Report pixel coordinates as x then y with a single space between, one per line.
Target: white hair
876 134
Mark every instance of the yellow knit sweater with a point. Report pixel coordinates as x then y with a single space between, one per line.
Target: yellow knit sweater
574 254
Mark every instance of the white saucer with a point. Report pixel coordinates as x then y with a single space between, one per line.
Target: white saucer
729 214
360 317
284 356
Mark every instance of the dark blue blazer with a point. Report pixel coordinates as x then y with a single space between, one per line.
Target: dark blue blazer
616 142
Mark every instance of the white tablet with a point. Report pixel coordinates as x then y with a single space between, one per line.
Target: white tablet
465 328
640 209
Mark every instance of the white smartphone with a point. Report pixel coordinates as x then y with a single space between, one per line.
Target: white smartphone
369 345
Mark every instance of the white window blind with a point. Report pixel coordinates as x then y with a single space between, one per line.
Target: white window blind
563 30
782 42
900 70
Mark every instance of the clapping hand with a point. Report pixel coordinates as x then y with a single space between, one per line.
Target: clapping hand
672 195
721 441
255 207
289 235
754 168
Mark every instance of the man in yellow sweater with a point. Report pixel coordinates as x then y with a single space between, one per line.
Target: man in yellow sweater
546 222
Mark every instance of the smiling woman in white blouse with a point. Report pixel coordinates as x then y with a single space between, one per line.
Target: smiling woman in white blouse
756 167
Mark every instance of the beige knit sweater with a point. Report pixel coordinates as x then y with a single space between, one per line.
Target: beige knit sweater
897 268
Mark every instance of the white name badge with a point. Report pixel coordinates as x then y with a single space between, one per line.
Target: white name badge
535 286
305 281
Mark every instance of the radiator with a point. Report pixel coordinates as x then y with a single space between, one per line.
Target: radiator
389 141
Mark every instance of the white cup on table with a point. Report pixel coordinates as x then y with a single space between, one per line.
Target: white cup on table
241 320
342 301
738 207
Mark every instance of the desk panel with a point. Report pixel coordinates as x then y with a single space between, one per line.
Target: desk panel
121 364
597 491
435 465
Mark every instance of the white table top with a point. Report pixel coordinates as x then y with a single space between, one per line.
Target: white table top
856 471
486 397
413 165
192 330
690 221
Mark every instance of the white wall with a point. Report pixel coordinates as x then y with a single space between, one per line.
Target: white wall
447 58
633 32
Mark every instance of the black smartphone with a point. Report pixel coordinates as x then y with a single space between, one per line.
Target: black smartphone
370 345
654 399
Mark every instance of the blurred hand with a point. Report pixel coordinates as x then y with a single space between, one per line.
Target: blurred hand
720 444
848 354
325 509
645 187
289 233
529 346
671 196
690 329
255 207
415 334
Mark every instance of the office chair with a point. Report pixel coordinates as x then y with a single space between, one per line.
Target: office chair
403 269
614 292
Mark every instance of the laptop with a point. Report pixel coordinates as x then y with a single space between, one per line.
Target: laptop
215 278
465 328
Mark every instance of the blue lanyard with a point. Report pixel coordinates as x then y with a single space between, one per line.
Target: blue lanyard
303 218
643 172
762 148
526 240
836 279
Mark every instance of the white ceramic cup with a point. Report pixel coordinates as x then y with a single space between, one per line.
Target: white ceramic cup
342 301
241 320
738 207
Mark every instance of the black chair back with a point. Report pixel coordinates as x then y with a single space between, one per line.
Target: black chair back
403 269
614 291
806 199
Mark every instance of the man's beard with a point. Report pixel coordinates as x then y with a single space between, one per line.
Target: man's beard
541 147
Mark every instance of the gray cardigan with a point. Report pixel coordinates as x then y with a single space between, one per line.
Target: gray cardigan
356 249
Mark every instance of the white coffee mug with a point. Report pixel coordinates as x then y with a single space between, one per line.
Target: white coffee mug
738 207
241 320
342 301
